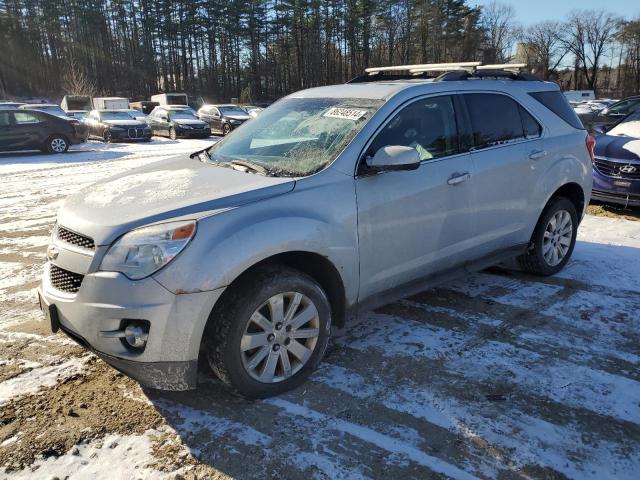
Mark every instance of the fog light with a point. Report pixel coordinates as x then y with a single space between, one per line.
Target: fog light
136 335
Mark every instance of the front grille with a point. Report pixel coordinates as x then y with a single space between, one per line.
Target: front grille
136 133
64 280
614 169
74 238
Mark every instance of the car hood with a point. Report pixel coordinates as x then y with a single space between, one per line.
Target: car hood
622 148
189 122
125 123
164 190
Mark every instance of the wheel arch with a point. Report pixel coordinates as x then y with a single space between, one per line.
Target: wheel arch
574 193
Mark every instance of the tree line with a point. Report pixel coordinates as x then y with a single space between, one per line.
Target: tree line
263 49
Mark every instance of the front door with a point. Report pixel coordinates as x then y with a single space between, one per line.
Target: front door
415 223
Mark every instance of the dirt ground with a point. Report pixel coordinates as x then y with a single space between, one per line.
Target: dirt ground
497 375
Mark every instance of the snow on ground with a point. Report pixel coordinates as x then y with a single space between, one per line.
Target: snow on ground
496 374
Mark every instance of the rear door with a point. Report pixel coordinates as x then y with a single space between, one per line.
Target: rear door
7 140
507 155
29 129
414 223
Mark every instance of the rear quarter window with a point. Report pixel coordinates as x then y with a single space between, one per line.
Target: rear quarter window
556 102
495 119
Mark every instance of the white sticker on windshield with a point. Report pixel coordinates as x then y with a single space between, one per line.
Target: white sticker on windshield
346 113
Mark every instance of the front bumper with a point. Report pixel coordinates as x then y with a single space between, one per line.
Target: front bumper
193 133
616 190
106 299
131 135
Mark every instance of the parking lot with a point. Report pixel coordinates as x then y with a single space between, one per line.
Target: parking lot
498 375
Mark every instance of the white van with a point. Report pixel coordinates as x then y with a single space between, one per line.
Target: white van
110 103
170 99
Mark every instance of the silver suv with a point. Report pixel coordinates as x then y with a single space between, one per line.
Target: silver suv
333 200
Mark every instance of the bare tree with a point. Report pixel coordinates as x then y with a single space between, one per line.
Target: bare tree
501 30
543 42
588 34
76 82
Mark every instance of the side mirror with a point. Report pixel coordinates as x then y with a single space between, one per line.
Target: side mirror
394 157
164 118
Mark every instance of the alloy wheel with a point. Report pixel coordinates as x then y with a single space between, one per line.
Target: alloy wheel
557 238
58 145
280 337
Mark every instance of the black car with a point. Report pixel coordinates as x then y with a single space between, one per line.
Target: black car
174 122
116 125
223 118
609 116
35 130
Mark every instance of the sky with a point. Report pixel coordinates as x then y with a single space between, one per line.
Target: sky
532 11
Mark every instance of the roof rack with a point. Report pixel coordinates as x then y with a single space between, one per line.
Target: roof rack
450 72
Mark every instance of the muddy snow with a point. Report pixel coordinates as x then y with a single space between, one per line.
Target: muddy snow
498 375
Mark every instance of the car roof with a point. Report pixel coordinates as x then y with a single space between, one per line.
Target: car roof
34 105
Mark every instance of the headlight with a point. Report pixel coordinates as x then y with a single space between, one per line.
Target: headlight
145 250
185 126
116 129
235 122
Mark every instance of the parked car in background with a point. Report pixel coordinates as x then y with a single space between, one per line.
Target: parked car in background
37 130
253 110
223 118
116 125
137 114
172 122
77 103
10 105
110 103
334 200
616 168
609 116
46 107
145 107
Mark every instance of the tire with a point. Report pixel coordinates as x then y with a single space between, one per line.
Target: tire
240 351
549 236
106 136
226 129
172 133
56 144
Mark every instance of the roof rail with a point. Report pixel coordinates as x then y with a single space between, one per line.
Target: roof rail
451 71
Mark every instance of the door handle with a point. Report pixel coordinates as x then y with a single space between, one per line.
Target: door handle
459 178
537 154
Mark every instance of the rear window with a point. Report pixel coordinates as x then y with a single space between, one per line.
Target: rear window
557 103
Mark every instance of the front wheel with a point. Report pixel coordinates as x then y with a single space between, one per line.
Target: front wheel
270 333
106 136
226 129
553 239
172 133
57 144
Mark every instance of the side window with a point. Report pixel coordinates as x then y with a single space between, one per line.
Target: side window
495 119
5 119
532 128
23 118
624 108
427 125
214 111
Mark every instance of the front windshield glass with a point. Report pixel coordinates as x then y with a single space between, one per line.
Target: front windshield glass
297 136
182 115
629 127
233 111
115 116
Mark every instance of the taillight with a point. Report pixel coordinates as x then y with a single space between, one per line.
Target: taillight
591 146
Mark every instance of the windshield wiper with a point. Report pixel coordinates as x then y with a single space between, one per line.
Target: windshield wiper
256 167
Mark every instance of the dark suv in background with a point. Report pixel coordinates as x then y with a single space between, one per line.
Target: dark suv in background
177 121
32 129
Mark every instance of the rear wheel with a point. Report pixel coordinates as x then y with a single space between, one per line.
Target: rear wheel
553 239
57 144
270 333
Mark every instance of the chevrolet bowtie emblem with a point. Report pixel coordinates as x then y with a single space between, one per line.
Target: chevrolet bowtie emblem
52 252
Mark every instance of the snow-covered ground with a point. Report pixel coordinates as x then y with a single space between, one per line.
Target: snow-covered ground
496 375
